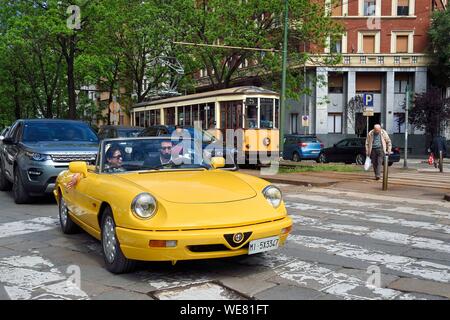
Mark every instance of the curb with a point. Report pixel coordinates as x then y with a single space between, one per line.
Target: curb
447 197
299 183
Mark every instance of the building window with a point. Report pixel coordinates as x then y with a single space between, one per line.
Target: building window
336 45
402 44
335 83
401 82
399 122
402 7
335 123
368 45
294 123
369 7
336 9
368 82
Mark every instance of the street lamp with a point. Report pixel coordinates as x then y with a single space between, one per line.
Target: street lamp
283 75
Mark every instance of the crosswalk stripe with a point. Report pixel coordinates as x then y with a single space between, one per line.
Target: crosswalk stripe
371 205
424 269
370 217
17 228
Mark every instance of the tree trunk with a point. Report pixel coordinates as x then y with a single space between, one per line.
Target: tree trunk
17 112
71 87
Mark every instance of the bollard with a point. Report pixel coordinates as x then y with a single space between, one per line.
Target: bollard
441 161
385 172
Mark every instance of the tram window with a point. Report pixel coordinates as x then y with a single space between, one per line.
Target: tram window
169 115
252 117
266 113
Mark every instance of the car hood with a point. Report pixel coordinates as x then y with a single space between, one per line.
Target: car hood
48 147
193 187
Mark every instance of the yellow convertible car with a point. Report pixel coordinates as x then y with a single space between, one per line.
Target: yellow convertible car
153 200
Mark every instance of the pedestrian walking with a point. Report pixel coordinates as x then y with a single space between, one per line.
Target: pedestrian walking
378 144
438 144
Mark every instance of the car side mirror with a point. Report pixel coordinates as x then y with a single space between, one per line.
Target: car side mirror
78 167
1 138
8 141
217 162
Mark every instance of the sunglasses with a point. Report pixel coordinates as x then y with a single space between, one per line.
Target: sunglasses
117 157
166 148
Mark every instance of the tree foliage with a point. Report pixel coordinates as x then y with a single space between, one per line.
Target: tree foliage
440 47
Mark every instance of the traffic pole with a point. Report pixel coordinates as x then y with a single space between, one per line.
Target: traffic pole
405 159
441 161
283 76
385 172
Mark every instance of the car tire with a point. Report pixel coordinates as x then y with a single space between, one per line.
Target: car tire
360 159
296 157
390 164
66 223
21 196
115 260
322 158
5 184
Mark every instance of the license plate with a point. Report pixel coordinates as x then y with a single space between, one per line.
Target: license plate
262 245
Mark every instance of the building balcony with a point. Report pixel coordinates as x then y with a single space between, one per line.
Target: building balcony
375 60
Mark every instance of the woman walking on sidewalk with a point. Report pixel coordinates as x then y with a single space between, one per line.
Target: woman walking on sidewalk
377 144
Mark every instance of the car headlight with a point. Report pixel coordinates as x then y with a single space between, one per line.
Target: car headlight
273 195
37 156
144 206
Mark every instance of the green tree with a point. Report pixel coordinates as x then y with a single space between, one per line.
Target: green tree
440 47
254 24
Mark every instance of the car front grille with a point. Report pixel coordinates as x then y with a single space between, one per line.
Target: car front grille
68 157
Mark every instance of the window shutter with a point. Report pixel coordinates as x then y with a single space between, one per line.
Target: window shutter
369 44
368 82
402 44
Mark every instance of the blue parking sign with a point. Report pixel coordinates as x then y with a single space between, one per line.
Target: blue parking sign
368 99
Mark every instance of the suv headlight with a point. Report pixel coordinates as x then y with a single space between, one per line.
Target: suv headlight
273 195
144 206
37 156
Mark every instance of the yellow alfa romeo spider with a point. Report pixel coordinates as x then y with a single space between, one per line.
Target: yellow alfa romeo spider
154 200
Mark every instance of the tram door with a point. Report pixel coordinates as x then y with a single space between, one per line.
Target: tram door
231 115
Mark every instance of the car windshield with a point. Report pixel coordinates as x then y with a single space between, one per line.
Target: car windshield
151 154
58 131
128 133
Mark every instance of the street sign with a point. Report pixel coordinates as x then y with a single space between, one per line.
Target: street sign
368 99
305 121
368 111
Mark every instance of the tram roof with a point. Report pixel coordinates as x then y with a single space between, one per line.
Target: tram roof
245 90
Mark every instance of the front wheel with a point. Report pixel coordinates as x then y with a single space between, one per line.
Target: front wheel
296 157
390 164
114 258
360 159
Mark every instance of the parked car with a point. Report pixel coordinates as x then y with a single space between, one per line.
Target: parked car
217 148
169 212
352 150
36 151
301 147
111 132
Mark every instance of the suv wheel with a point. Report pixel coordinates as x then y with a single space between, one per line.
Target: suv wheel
20 194
5 185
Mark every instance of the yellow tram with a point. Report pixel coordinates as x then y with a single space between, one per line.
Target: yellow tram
251 112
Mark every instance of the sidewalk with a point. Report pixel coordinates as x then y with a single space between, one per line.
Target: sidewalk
402 183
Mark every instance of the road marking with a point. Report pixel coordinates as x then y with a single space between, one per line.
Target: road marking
371 205
33 277
16 228
339 284
370 217
377 234
425 269
377 197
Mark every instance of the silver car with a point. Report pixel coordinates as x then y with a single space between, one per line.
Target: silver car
35 151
